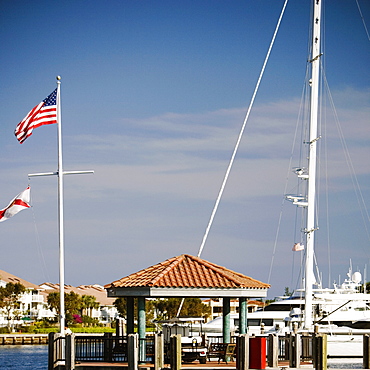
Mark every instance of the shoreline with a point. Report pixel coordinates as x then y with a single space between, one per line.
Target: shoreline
23 339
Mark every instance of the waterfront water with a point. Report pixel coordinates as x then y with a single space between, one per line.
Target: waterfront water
345 363
29 357
35 357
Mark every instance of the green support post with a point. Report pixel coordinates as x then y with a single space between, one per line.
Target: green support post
226 320
243 327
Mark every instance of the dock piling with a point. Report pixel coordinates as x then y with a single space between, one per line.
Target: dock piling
133 351
175 352
366 351
273 351
158 352
243 352
70 352
295 351
320 351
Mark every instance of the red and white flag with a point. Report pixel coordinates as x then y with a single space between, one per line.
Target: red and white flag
44 113
19 203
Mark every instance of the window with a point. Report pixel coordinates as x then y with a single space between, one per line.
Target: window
257 322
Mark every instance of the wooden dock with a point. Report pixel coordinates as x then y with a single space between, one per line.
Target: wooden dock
23 339
190 366
195 365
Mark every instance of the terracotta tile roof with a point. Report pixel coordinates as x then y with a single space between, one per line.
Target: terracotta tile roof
186 271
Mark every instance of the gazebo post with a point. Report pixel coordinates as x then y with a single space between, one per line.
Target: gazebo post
141 328
226 320
243 327
130 304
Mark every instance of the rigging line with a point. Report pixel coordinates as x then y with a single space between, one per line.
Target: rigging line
294 240
325 146
299 119
327 201
299 284
354 179
38 243
283 199
241 133
318 280
363 20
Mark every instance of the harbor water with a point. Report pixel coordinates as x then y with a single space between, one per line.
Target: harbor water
15 357
35 357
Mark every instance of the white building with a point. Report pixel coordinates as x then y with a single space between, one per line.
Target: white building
33 303
34 306
105 313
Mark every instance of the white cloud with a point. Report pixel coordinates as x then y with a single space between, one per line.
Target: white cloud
157 178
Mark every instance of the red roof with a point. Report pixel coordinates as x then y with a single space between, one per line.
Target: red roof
186 271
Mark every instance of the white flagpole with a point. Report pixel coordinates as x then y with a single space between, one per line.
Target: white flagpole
61 211
60 173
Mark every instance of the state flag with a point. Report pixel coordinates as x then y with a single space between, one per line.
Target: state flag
19 203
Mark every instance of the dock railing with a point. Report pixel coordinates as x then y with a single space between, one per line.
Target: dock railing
56 350
74 348
292 349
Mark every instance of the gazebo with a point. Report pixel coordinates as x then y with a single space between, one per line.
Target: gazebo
187 276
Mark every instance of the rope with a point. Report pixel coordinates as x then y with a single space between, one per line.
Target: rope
289 169
241 134
237 143
357 189
363 20
38 243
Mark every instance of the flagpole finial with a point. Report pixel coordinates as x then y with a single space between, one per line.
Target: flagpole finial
59 78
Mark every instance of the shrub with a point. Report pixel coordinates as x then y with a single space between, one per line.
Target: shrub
4 330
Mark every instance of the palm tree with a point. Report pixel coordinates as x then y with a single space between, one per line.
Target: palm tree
88 303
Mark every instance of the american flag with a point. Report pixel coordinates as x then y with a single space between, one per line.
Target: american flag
44 113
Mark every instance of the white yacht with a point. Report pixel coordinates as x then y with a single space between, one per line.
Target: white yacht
342 309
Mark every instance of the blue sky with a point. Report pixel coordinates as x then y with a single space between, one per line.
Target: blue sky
153 97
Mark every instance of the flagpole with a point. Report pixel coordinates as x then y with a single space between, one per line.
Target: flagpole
60 173
61 211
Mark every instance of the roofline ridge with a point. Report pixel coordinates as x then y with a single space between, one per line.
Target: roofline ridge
244 276
175 262
222 271
134 274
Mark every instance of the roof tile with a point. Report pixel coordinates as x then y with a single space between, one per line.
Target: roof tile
187 271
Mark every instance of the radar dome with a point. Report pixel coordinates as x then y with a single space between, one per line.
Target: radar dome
356 277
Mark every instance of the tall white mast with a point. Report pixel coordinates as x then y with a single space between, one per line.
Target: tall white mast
60 173
311 194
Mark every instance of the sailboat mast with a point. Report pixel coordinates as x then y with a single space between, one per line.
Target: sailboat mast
311 194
